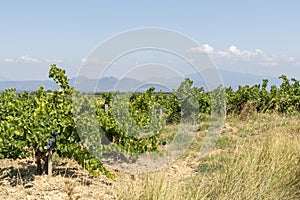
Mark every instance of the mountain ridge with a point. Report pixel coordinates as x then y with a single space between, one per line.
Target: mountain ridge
230 79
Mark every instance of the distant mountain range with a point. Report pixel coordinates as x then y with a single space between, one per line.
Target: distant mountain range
233 79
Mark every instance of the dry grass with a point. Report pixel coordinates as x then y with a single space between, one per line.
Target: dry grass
256 157
263 163
265 169
19 180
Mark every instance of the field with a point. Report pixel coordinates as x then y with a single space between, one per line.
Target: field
256 157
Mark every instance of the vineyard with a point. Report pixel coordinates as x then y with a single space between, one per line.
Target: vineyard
41 123
34 123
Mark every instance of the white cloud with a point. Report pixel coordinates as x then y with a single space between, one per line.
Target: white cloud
279 60
244 54
28 59
54 61
272 64
83 60
290 59
231 52
234 50
257 56
269 61
206 48
223 54
93 60
9 60
249 61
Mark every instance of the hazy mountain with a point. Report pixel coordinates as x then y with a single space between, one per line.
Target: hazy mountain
127 84
158 87
28 85
229 79
81 83
104 84
166 84
233 79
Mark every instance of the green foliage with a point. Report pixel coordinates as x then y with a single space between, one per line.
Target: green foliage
134 120
284 99
59 77
188 101
170 106
28 121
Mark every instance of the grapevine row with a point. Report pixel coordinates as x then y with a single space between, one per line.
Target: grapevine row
33 124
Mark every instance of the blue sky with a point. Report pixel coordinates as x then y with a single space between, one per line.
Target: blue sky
258 37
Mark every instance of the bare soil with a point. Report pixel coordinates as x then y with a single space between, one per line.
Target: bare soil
19 180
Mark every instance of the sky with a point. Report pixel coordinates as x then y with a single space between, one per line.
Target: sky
256 37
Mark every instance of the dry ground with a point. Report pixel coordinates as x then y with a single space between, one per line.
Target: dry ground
19 180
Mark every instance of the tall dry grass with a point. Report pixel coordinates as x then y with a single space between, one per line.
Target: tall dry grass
268 168
265 165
